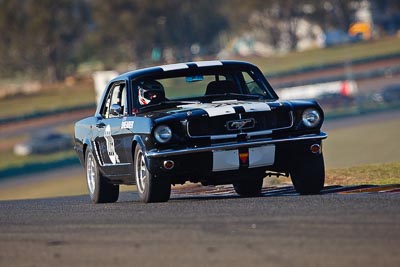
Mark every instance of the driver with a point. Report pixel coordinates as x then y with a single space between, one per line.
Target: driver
150 92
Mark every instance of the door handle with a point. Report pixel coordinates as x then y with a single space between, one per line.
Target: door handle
100 124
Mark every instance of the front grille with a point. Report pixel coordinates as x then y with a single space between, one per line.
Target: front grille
221 125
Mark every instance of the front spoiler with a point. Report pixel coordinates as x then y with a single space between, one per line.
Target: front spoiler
155 153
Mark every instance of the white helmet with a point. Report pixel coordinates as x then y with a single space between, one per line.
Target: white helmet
150 92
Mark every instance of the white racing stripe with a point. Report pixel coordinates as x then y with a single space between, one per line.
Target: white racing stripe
256 106
212 109
181 66
219 111
219 108
178 66
208 63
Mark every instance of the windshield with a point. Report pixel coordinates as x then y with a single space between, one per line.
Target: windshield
201 87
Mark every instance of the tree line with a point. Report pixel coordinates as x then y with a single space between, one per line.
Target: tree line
48 39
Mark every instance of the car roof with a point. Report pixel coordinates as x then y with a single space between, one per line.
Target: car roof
162 69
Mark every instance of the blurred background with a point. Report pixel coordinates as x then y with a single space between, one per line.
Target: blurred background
345 54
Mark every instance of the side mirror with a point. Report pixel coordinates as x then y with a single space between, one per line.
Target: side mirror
115 110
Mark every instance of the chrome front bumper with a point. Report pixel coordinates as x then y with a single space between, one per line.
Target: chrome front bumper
154 153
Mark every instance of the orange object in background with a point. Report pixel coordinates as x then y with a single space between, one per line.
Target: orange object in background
360 28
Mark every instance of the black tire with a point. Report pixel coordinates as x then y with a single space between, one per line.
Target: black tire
249 188
308 174
150 188
100 190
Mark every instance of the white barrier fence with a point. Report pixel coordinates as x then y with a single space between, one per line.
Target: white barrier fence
26 88
101 79
314 91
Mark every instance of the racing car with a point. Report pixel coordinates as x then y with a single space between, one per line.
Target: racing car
208 122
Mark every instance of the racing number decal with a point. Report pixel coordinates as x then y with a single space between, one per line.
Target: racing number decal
110 145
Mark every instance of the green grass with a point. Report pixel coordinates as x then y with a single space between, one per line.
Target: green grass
366 174
53 97
9 159
376 174
64 186
296 60
72 185
377 142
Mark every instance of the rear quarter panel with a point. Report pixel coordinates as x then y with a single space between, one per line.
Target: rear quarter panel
83 136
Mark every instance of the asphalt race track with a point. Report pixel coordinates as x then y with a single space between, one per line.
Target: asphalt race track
356 226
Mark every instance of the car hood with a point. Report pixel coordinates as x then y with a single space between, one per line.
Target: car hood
213 109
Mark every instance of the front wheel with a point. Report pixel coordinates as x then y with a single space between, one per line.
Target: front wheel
308 174
100 190
150 188
248 188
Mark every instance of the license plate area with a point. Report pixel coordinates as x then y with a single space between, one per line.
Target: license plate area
261 156
224 160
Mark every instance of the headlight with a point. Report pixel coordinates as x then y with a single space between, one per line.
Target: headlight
163 134
311 117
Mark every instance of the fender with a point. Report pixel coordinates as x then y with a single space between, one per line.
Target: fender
136 140
88 144
80 147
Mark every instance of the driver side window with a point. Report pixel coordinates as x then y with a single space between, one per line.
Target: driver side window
116 101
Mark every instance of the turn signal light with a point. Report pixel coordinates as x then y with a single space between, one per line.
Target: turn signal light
169 164
315 149
243 156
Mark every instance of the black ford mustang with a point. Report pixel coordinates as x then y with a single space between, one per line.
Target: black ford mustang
214 122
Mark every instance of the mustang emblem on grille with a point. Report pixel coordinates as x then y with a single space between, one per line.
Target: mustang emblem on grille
240 124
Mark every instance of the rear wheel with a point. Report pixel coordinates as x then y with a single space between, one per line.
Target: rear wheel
308 174
248 188
150 188
100 190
